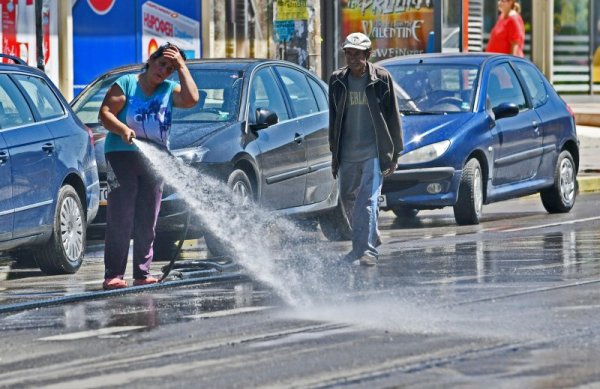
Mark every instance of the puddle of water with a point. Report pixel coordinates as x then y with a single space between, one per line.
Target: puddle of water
272 248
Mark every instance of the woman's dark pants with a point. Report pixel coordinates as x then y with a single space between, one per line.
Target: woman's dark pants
132 211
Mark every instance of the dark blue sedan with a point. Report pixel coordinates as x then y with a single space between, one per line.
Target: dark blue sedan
479 128
49 183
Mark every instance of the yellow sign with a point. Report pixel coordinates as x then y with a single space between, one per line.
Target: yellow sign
292 10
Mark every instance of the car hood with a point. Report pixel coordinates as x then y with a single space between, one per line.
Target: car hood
421 130
192 134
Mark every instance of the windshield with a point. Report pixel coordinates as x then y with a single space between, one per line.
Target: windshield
434 88
219 98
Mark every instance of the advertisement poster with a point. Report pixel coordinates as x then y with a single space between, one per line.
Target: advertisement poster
291 30
17 32
400 27
161 25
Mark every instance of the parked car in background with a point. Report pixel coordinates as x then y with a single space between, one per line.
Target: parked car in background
479 128
49 183
260 125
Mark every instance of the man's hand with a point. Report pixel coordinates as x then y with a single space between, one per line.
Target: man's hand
391 169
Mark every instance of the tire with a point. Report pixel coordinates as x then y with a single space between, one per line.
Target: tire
164 248
467 209
405 213
334 224
243 195
63 253
560 197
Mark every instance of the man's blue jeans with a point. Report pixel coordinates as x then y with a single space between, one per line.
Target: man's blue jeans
360 188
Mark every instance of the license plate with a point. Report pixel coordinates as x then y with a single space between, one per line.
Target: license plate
382 200
103 192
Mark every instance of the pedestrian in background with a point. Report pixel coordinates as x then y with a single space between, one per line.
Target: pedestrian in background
508 35
365 141
139 106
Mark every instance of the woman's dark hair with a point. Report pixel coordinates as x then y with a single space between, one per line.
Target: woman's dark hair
160 51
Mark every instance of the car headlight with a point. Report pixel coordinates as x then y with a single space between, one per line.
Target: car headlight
191 155
425 153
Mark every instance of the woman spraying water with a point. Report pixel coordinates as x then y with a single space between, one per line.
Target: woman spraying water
139 106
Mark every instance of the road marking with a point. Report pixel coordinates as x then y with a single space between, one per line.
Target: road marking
545 225
227 312
92 333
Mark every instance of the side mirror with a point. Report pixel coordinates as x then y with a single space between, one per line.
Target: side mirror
505 110
264 118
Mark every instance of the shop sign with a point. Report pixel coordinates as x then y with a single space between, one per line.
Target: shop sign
396 27
161 25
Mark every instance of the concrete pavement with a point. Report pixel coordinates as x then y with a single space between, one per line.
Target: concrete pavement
587 117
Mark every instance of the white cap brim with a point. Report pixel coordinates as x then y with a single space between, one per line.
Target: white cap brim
351 46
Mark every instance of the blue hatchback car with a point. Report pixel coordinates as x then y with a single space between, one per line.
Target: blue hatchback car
49 184
479 128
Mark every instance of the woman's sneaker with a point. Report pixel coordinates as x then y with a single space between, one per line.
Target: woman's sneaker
145 281
114 283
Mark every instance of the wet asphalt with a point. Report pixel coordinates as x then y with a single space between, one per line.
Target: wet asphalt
512 302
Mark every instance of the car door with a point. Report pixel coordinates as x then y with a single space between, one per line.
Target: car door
32 154
309 106
282 158
518 151
6 209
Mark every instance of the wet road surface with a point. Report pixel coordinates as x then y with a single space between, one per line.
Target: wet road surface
513 302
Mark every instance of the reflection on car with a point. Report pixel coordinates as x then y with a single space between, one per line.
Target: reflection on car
479 128
261 126
48 176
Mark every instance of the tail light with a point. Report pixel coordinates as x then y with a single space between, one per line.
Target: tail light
569 109
91 135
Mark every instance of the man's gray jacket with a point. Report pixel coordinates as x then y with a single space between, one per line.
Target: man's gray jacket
383 107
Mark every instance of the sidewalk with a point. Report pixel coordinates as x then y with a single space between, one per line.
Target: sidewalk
587 117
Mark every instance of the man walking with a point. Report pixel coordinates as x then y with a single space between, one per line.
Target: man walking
365 140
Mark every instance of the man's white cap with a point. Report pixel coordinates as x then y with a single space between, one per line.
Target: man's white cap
357 40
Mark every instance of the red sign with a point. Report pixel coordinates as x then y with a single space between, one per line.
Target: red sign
101 7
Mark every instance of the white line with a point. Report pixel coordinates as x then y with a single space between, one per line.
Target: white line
547 225
227 312
92 333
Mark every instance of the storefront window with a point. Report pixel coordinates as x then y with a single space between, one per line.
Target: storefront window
571 46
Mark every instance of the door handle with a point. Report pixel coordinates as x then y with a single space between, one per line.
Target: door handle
298 138
3 157
48 147
536 125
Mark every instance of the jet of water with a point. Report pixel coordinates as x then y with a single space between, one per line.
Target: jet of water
295 263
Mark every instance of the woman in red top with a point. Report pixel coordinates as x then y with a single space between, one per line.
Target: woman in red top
508 35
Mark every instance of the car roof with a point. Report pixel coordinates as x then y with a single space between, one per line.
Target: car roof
436 58
235 64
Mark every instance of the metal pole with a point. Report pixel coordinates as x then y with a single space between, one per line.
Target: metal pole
65 48
437 26
39 35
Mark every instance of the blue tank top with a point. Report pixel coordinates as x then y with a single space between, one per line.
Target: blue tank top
148 116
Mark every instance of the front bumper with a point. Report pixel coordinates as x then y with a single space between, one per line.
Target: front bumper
426 188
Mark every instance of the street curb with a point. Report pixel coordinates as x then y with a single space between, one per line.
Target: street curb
588 184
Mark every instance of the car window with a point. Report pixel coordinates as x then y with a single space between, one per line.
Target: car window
299 91
88 104
319 94
435 87
14 110
504 87
264 93
534 83
42 96
219 91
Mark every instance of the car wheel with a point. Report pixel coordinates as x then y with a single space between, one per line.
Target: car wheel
164 248
467 209
405 212
560 197
243 195
64 252
334 224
